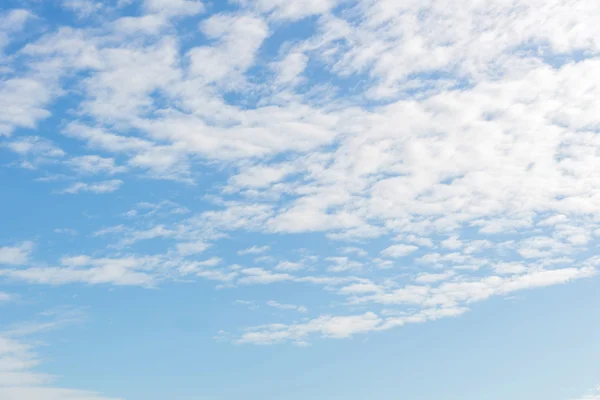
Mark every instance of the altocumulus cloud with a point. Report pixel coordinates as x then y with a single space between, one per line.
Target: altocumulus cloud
442 155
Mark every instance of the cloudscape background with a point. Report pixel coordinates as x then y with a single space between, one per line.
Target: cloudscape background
299 199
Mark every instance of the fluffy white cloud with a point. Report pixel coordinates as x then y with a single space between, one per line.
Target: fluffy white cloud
466 132
238 36
22 102
289 266
354 250
399 250
341 264
93 164
36 146
452 243
16 255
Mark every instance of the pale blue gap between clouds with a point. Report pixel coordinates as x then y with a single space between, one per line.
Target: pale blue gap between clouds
311 169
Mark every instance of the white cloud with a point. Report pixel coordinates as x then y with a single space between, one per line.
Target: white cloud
110 230
361 288
341 264
543 246
254 250
6 297
160 231
399 250
239 38
432 278
339 327
66 231
481 148
16 255
93 164
383 263
259 176
19 392
509 268
174 7
591 395
354 250
190 248
35 146
11 22
253 276
465 291
289 266
328 326
421 241
22 102
276 304
83 8
289 69
211 262
151 24
250 304
83 269
452 243
15 19
96 187
293 10
20 378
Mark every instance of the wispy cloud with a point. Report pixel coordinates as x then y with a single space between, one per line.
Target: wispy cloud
19 376
276 304
254 250
96 187
427 156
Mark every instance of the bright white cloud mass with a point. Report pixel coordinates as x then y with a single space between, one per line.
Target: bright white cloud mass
351 166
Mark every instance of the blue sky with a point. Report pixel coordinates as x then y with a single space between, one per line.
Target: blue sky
323 199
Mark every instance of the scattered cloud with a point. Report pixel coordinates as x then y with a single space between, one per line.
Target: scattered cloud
65 231
19 362
341 264
254 250
249 304
92 164
96 187
261 276
399 250
276 304
16 255
452 243
328 326
6 297
432 278
354 250
402 126
289 266
591 395
84 269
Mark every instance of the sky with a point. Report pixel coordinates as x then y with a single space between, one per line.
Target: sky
299 199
